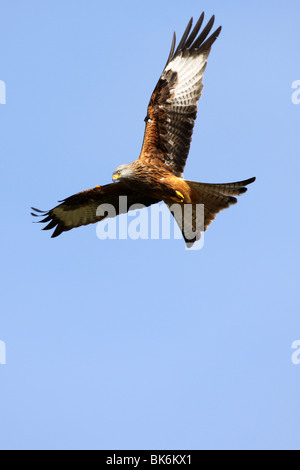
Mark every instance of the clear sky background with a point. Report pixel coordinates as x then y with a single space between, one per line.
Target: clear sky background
141 344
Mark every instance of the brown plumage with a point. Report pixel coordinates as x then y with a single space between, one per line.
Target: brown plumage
157 175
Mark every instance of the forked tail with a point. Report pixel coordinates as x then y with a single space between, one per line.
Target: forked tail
194 218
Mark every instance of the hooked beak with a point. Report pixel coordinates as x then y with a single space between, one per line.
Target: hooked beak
115 177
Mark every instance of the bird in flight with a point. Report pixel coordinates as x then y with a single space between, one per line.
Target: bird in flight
157 175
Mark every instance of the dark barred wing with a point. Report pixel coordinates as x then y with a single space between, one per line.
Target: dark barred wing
81 208
173 105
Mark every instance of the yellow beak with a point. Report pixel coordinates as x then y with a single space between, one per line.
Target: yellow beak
115 177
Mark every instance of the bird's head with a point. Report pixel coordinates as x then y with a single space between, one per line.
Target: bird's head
123 172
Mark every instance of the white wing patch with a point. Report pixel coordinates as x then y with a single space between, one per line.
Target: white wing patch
190 70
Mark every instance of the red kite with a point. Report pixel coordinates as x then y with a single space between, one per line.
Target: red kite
157 175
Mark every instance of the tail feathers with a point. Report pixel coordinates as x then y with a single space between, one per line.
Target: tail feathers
225 189
214 197
217 197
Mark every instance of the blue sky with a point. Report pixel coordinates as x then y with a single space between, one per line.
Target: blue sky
123 344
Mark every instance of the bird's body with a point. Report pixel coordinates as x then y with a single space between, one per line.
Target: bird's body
144 177
157 175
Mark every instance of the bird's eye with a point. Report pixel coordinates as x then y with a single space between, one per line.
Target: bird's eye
147 119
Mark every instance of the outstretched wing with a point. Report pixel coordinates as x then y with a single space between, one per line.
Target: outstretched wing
173 105
83 208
